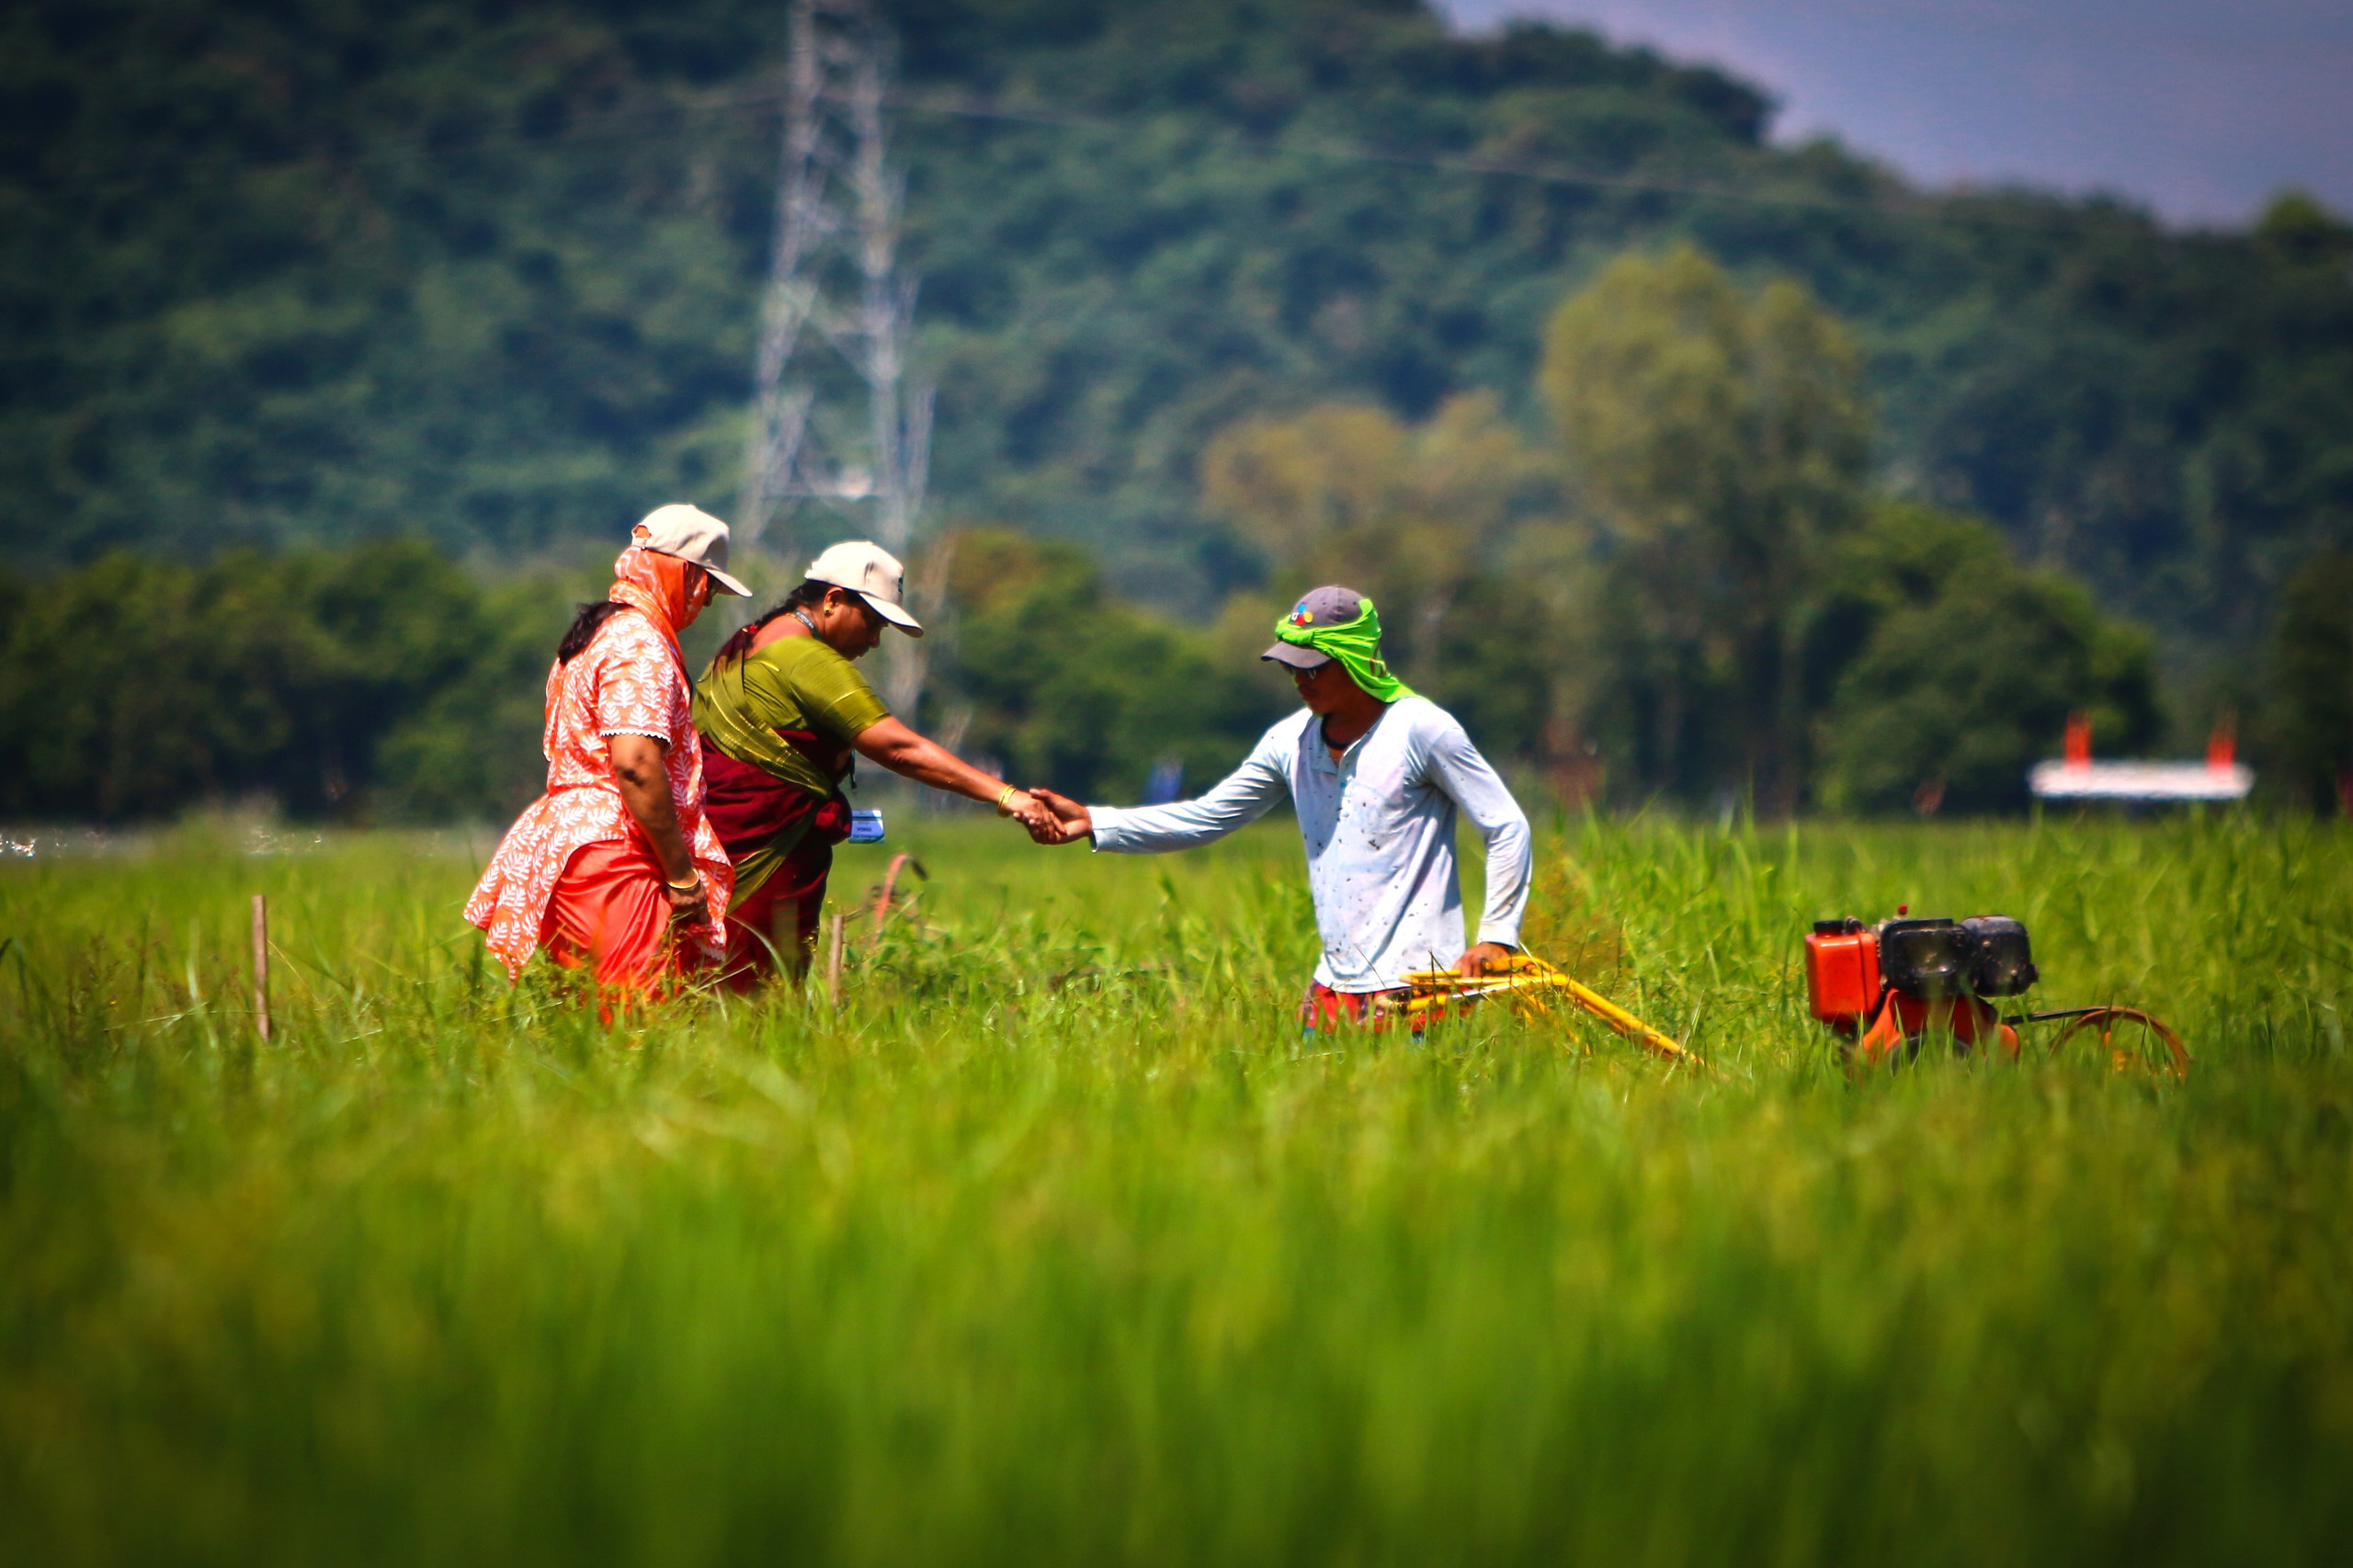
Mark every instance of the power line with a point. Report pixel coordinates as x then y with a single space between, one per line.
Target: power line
455 140
1542 173
1976 20
1910 206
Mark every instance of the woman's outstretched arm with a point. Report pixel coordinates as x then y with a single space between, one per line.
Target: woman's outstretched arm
889 744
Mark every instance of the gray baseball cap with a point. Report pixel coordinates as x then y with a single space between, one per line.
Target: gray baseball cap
1328 606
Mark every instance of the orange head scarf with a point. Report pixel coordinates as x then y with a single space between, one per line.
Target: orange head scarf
670 591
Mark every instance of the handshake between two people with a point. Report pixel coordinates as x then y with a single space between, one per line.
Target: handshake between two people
1049 817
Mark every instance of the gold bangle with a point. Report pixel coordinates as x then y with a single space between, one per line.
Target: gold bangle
690 885
1003 796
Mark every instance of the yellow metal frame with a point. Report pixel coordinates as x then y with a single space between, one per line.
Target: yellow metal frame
1534 983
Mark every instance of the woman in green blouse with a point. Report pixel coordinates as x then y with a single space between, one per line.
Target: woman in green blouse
784 714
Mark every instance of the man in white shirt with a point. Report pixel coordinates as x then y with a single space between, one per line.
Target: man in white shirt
1377 775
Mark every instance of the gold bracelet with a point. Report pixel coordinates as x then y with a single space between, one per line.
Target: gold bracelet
1003 796
690 885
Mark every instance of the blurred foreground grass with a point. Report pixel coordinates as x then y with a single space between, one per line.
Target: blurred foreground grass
1059 1245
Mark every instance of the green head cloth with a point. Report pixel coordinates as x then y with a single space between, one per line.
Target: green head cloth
1356 644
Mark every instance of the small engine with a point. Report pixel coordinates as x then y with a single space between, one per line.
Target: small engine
1885 985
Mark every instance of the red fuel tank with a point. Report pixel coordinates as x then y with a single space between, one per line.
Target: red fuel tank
1842 972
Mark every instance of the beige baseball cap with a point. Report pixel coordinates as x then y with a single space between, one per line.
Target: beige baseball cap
694 535
874 574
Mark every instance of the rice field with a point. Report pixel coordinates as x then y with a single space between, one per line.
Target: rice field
1057 1242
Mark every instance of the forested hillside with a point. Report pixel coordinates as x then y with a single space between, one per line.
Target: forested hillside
310 269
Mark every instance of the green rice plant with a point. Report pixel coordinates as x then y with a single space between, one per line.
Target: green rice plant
1059 1243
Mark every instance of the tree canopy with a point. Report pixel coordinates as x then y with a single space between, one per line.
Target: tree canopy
1722 434
2307 731
383 679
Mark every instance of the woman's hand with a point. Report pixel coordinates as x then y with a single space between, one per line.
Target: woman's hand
687 904
1023 807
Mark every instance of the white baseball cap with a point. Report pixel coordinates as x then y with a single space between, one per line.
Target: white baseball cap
873 574
692 535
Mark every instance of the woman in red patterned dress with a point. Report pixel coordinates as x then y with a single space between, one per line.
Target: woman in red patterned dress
614 865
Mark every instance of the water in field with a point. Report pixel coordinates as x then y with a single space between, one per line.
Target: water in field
1059 1244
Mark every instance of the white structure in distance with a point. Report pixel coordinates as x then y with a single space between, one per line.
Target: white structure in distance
2076 777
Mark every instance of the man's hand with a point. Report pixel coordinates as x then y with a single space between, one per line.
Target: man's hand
1478 959
1065 820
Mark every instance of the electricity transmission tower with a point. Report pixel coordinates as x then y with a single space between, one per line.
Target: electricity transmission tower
838 312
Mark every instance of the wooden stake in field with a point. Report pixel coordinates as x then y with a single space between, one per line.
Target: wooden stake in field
261 966
834 963
889 890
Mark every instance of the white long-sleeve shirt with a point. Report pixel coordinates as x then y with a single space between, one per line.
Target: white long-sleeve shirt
1379 831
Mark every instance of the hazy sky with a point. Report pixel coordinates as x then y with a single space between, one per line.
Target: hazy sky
2198 108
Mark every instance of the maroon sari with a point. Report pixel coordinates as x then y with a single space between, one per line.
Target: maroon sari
751 809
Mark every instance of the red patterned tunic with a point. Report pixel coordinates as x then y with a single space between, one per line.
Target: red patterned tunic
628 681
